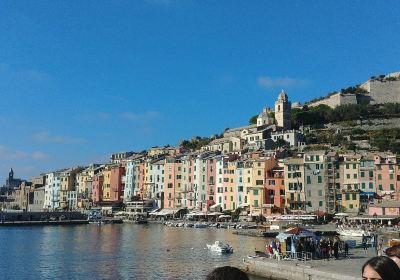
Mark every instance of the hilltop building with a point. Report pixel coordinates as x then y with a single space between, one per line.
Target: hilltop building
377 90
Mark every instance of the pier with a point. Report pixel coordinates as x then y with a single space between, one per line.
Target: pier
341 269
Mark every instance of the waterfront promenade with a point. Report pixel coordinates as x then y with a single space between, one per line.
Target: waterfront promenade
343 268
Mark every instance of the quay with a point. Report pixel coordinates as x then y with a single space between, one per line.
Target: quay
319 230
44 223
341 269
18 218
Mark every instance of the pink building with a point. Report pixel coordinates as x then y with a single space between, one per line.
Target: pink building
211 177
116 184
386 171
97 192
275 191
386 208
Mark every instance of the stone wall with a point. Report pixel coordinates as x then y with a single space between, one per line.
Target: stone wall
335 100
384 91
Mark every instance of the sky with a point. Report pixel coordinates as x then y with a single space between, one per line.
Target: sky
80 80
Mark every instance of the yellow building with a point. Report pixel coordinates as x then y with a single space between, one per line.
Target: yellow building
350 201
106 184
178 183
67 184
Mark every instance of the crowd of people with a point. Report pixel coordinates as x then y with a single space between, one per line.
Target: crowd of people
321 249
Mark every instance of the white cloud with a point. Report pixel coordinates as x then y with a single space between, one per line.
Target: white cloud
146 116
167 3
268 82
7 153
47 137
10 154
10 73
39 155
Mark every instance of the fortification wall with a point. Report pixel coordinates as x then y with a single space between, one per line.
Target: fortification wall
381 92
336 100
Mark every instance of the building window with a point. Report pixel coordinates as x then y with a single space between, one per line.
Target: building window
255 192
362 174
255 203
391 187
308 180
379 176
321 203
319 179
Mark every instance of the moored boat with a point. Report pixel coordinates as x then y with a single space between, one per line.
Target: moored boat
220 247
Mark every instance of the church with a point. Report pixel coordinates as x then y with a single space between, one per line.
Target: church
11 182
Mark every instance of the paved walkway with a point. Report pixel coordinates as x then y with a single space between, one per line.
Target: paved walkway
343 268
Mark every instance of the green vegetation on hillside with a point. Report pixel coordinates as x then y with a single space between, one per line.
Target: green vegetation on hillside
196 143
323 114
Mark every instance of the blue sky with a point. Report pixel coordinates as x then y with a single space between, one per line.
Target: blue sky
82 79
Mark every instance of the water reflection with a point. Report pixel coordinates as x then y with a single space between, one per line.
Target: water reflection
125 251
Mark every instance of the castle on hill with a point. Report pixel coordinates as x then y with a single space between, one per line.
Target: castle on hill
377 90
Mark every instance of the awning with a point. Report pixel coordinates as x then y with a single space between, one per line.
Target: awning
224 216
215 206
244 205
214 214
164 212
341 214
367 193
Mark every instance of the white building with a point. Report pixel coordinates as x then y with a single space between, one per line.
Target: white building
293 137
52 190
199 181
129 180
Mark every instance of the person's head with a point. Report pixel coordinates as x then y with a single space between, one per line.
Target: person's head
394 253
380 268
227 273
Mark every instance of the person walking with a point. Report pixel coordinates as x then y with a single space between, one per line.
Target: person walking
336 249
364 242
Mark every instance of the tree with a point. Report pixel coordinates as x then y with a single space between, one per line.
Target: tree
253 119
281 143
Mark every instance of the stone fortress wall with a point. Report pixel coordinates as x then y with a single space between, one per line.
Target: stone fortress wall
380 91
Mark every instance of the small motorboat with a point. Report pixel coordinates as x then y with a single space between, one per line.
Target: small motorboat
220 247
200 225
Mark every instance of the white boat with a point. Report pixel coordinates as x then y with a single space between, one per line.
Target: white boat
220 247
352 232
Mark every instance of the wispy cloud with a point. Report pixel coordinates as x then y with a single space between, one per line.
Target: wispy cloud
268 82
167 3
95 116
10 73
47 137
10 154
39 155
7 153
146 116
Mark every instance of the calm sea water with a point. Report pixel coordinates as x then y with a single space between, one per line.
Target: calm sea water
126 251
